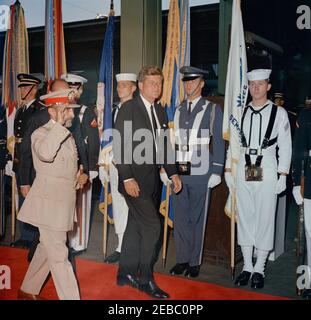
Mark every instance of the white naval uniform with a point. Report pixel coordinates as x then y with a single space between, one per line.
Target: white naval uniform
307 218
256 201
74 235
119 206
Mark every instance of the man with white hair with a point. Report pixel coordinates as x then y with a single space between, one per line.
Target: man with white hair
260 176
126 88
85 125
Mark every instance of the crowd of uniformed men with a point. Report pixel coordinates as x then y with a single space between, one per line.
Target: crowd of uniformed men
57 156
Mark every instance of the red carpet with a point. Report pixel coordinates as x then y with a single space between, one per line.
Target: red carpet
98 282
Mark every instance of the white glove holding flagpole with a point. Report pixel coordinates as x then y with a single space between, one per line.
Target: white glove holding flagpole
103 175
297 195
164 178
214 181
229 180
281 184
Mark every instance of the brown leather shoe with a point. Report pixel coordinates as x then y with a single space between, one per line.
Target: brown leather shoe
27 296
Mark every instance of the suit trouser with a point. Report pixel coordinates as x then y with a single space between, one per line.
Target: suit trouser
51 256
190 216
140 238
120 208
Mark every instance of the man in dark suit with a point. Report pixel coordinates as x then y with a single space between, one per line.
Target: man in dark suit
139 181
28 85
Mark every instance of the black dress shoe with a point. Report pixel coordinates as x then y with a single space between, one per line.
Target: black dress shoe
113 258
243 278
153 290
179 268
258 281
127 280
307 294
192 271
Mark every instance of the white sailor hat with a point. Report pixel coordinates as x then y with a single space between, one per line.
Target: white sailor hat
191 73
308 101
60 98
126 77
259 74
73 79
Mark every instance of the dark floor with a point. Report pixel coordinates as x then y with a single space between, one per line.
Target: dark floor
280 274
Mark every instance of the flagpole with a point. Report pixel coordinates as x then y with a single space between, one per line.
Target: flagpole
105 224
13 210
165 236
233 235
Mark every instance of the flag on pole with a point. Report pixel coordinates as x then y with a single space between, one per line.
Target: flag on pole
55 54
236 93
177 55
15 61
104 106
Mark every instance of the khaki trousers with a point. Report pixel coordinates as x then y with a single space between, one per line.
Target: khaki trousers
51 256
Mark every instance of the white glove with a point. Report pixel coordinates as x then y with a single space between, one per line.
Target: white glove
297 195
281 184
164 178
229 180
214 181
93 175
103 175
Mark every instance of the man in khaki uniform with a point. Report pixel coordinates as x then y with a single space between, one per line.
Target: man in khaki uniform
50 204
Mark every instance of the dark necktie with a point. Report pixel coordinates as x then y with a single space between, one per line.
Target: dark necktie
154 122
189 108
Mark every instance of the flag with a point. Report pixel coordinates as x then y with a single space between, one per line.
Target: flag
104 106
177 55
3 133
15 61
236 93
55 57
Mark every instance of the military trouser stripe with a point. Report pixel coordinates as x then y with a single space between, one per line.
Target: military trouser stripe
204 222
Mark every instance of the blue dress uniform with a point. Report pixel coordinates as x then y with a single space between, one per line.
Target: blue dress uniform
194 130
301 167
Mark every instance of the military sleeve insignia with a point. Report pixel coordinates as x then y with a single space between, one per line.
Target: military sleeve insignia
94 124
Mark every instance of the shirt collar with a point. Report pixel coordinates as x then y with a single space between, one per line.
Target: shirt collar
30 103
146 102
194 102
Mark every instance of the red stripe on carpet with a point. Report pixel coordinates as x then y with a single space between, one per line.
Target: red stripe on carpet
98 282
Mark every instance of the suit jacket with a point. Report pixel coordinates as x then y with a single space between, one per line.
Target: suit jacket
50 202
88 130
27 170
146 175
208 160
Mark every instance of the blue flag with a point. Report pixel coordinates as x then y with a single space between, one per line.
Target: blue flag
106 81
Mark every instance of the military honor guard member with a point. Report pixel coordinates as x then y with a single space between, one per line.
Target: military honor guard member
197 123
139 181
85 124
50 203
126 88
301 168
28 85
260 176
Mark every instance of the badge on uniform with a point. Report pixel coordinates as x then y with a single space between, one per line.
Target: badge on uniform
253 173
184 168
94 124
